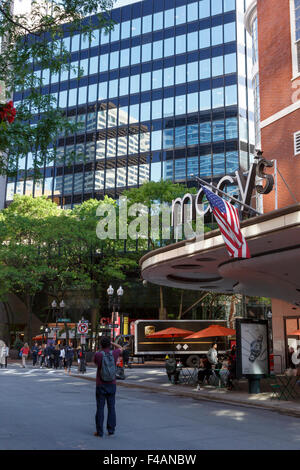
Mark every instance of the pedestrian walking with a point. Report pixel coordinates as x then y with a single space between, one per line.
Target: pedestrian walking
47 355
39 356
69 354
43 356
62 356
106 361
34 352
51 354
2 355
25 353
56 354
81 355
127 349
83 362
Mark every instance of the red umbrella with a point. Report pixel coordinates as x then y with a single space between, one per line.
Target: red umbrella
170 333
211 331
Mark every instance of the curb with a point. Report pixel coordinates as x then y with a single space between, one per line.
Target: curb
187 394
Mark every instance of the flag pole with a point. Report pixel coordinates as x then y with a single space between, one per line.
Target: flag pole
225 194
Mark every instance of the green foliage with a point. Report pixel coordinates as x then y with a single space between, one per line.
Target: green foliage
156 192
33 40
50 251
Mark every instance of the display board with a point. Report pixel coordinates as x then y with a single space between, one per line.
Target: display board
252 347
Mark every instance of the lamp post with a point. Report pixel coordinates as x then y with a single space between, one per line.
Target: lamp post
269 317
54 306
62 306
42 329
114 303
47 331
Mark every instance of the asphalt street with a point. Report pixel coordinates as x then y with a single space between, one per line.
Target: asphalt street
44 409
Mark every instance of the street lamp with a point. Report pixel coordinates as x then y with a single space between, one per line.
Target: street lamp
270 328
42 329
62 306
47 331
54 306
120 291
114 303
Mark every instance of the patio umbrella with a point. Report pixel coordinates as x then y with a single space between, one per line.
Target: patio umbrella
37 338
211 331
170 333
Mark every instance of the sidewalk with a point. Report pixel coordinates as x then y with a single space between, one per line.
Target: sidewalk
155 380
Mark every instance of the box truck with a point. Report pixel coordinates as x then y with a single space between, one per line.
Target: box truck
188 350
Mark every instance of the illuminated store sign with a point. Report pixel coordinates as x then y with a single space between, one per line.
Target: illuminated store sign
191 205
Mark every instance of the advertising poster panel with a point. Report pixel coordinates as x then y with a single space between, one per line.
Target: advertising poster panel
252 347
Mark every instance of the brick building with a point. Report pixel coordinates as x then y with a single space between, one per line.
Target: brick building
275 30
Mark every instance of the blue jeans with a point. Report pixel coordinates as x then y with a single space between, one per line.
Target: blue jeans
105 392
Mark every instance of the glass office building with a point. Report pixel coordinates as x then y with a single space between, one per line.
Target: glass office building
164 95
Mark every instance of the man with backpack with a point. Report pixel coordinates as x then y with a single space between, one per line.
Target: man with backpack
106 361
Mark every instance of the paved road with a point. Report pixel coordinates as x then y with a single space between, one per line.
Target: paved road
46 409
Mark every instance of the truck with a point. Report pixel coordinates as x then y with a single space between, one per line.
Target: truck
188 350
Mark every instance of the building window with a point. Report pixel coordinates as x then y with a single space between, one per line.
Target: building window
295 32
297 21
297 143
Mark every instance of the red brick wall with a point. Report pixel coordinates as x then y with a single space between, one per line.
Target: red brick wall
278 143
275 73
275 56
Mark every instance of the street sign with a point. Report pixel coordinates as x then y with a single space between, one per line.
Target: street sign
114 325
63 320
82 328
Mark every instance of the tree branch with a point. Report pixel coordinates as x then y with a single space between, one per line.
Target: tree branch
10 19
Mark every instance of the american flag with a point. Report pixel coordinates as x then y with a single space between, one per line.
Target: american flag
227 218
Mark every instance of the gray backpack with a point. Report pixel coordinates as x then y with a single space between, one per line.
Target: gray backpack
108 367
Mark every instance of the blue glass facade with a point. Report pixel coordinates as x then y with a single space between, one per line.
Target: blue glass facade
163 95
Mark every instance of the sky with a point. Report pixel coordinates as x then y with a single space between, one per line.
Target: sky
22 6
121 3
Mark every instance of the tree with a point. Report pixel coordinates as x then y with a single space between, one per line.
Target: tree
21 266
162 192
32 41
30 258
50 251
104 260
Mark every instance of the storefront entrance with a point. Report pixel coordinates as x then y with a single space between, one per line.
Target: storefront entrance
291 341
